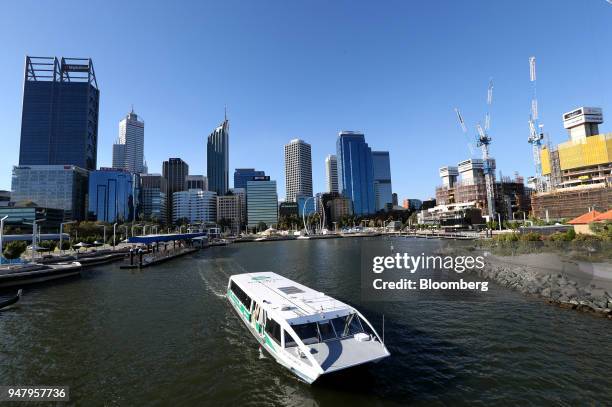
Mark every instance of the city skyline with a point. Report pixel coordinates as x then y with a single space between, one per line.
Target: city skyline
397 113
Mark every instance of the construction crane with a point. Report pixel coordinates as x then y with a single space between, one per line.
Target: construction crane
464 129
536 134
483 140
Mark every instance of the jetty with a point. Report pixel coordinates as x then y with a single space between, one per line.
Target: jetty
442 235
139 260
156 249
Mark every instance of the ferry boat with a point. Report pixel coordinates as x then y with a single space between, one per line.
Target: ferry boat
308 332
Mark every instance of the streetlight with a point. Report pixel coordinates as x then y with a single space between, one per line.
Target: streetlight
114 235
1 233
104 238
34 231
62 234
134 226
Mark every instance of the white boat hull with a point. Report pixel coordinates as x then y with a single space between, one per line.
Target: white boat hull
308 377
271 311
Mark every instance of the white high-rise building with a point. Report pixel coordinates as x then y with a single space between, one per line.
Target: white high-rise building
195 205
298 170
128 152
331 173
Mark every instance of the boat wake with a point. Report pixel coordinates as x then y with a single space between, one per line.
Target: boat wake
218 293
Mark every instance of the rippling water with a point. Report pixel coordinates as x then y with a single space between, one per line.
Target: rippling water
166 336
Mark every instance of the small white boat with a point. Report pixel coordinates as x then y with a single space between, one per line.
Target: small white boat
306 331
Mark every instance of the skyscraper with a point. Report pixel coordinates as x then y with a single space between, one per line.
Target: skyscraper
59 122
298 170
262 202
153 187
331 173
128 152
242 175
217 159
355 173
174 171
114 195
381 165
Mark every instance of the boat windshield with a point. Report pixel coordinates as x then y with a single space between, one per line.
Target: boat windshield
315 332
348 325
308 333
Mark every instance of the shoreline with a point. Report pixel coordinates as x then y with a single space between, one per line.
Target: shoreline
569 285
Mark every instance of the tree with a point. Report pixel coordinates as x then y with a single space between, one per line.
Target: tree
262 226
14 249
225 223
48 244
182 222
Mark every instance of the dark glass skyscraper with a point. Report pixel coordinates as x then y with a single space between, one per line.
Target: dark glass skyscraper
217 159
114 195
175 172
355 172
243 175
59 123
381 165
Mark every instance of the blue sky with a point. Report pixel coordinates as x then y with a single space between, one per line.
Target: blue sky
394 70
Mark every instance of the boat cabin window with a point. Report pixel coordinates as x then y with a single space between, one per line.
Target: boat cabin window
308 333
241 295
289 342
326 331
348 325
273 329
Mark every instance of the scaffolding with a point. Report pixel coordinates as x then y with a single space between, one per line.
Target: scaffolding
571 202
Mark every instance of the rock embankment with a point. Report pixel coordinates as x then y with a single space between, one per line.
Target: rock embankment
556 287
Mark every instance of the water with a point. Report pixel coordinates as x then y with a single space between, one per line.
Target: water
167 336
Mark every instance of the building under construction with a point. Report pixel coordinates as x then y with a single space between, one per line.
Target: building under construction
465 183
578 172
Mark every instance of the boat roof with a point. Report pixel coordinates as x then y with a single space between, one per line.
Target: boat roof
289 300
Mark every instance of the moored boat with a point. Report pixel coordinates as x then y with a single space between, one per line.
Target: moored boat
11 301
308 332
37 273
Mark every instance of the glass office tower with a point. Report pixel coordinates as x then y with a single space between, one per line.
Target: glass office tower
262 202
175 172
217 159
381 165
51 186
59 123
153 193
114 195
242 175
355 172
